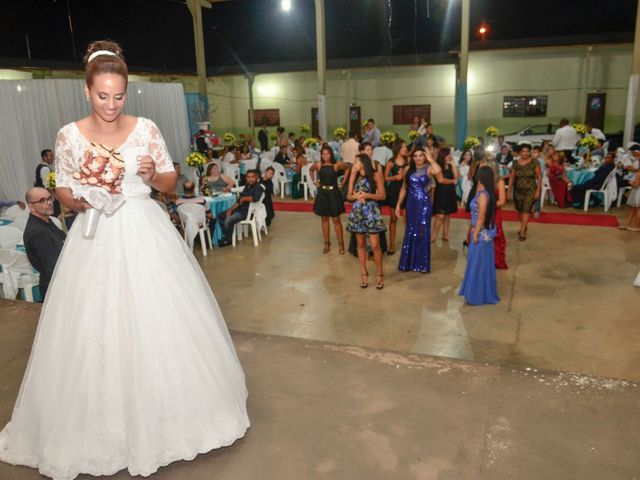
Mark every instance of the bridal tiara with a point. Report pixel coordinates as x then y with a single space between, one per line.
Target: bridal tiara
100 52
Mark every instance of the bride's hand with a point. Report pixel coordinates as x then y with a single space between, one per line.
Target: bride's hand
146 168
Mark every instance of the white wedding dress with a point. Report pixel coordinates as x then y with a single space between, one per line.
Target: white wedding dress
132 365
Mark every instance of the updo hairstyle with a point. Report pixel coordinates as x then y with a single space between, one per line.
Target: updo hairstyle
104 63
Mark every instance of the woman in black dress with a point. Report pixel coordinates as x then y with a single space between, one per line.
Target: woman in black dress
446 200
329 202
394 178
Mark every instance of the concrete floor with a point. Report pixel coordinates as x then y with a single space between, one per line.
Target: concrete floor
408 382
322 410
568 303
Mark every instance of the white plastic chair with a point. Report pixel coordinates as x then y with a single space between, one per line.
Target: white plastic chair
18 216
193 218
546 189
17 273
281 180
250 221
621 191
608 189
232 170
10 236
307 183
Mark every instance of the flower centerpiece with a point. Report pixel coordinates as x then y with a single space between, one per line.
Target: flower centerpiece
98 181
273 137
581 128
195 159
310 142
304 128
470 143
413 134
340 133
492 132
50 181
229 138
590 143
388 137
364 123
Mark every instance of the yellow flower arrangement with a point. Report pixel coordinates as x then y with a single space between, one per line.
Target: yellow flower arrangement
50 181
229 138
340 133
492 132
470 143
195 159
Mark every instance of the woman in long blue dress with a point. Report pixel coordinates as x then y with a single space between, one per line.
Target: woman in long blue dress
416 247
366 189
479 282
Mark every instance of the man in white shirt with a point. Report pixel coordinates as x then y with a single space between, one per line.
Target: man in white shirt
382 154
565 139
595 132
350 149
372 134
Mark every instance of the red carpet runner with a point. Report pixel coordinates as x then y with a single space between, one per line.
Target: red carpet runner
556 218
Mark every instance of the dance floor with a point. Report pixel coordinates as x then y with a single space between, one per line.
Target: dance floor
558 217
409 382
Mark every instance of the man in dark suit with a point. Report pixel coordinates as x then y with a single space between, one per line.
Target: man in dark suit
43 240
578 191
263 138
282 157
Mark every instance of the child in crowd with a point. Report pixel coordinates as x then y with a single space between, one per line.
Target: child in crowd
267 182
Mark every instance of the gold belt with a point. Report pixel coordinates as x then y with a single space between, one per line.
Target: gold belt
327 187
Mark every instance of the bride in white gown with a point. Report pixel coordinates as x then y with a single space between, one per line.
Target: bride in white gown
132 365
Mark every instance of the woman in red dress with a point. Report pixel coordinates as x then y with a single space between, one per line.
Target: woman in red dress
560 184
500 242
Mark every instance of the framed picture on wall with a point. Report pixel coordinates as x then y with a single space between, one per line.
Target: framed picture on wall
269 117
403 114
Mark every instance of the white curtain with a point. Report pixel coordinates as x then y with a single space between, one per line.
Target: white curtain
32 112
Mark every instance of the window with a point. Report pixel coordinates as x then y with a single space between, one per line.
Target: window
268 116
403 114
525 106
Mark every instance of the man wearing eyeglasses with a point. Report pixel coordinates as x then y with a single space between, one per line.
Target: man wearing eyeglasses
43 240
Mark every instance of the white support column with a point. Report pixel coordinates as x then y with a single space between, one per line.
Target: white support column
322 68
634 84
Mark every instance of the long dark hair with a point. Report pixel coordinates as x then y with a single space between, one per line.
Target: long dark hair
397 146
330 150
412 165
485 177
368 170
442 155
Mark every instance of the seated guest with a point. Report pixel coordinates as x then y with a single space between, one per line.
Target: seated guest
560 184
578 191
43 240
168 205
190 195
181 179
231 155
599 150
10 203
267 184
216 182
297 191
504 157
245 152
238 212
282 157
629 163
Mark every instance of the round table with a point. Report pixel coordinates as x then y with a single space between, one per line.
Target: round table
580 176
249 164
218 204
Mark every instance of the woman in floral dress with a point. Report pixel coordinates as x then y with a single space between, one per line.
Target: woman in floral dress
366 189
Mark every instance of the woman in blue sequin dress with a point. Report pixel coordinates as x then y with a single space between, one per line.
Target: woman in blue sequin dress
416 247
479 282
366 189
